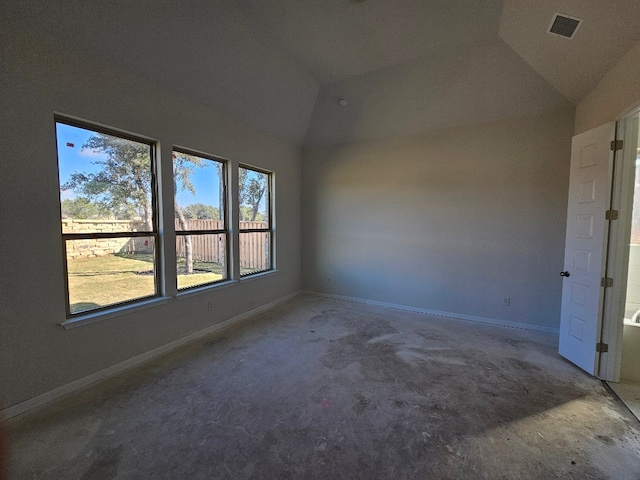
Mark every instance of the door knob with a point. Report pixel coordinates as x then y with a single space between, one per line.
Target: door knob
565 274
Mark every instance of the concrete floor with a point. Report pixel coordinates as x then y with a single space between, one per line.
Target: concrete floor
326 389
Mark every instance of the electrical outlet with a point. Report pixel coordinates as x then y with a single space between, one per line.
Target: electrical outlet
209 305
506 301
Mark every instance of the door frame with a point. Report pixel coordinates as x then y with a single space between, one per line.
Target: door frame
617 254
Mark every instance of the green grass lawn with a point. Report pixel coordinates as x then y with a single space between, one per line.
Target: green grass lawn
101 281
204 272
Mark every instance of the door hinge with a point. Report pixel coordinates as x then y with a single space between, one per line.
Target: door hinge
602 347
606 282
612 215
617 145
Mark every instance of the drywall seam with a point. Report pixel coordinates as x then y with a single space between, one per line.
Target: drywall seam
439 313
42 400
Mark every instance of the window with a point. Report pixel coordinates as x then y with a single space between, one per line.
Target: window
256 228
108 216
110 224
200 219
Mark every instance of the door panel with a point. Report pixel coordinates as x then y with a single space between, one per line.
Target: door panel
586 235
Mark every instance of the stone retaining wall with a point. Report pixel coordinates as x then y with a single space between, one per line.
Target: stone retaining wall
96 247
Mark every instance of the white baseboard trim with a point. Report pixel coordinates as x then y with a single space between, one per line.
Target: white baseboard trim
439 313
42 400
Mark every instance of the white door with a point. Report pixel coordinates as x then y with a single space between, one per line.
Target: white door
585 246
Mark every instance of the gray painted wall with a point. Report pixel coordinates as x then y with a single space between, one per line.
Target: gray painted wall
38 79
444 192
451 220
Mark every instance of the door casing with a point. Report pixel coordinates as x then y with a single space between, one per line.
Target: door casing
617 254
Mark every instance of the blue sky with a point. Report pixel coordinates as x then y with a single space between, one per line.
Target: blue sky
73 158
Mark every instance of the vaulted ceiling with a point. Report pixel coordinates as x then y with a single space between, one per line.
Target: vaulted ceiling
266 62
573 66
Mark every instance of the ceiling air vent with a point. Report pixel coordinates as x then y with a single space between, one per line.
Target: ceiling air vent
564 25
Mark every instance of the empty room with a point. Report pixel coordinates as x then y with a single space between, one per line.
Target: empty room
337 239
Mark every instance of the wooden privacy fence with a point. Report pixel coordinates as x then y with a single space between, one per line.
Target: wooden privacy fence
254 247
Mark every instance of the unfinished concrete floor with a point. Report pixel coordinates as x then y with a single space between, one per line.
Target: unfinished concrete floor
326 389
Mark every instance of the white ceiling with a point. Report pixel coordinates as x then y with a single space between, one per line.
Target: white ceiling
264 62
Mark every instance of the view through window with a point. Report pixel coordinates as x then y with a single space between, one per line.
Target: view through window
256 233
108 217
200 219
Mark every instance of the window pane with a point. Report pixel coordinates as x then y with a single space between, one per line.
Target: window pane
255 252
199 192
208 259
105 182
253 192
106 271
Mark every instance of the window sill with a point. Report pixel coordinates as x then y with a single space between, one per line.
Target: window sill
186 293
255 276
115 312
